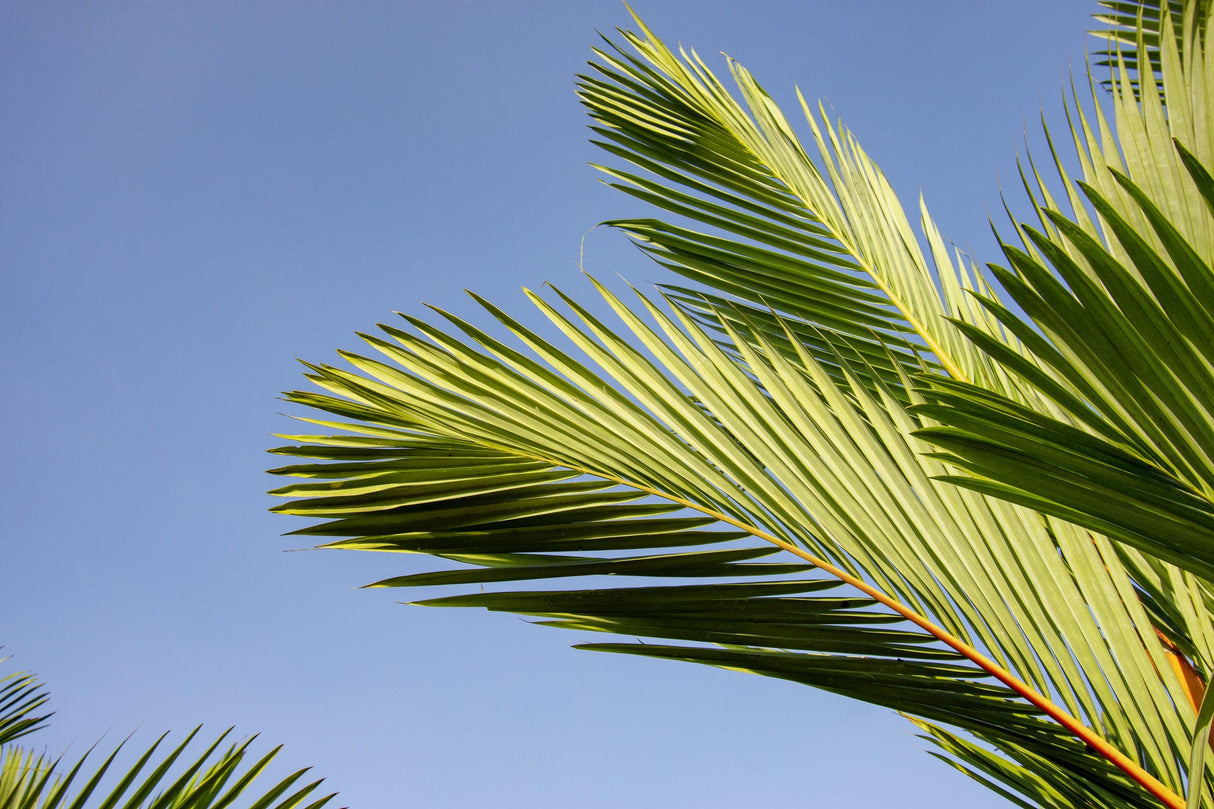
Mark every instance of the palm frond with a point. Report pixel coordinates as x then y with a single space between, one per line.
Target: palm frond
820 241
1136 29
1160 130
217 778
1017 509
1127 350
1116 286
759 443
21 696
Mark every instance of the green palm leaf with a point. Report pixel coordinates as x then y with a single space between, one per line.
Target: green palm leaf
1122 335
849 464
775 449
216 778
1124 35
220 777
21 695
1129 357
825 243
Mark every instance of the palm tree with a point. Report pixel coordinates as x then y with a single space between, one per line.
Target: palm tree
983 497
220 776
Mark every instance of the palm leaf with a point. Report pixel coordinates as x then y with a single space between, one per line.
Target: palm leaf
772 408
1173 107
1117 288
1136 45
778 450
1130 356
823 242
217 778
21 695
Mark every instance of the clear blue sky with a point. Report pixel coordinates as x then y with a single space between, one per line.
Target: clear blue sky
192 195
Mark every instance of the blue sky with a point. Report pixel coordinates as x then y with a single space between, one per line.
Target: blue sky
196 194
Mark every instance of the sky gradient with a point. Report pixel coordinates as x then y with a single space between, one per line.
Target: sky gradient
194 195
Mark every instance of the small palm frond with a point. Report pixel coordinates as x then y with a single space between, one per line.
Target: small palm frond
21 695
216 778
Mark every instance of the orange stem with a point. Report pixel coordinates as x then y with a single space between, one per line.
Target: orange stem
1098 743
1123 762
1082 731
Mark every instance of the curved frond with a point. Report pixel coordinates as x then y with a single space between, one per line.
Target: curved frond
778 449
850 463
814 233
